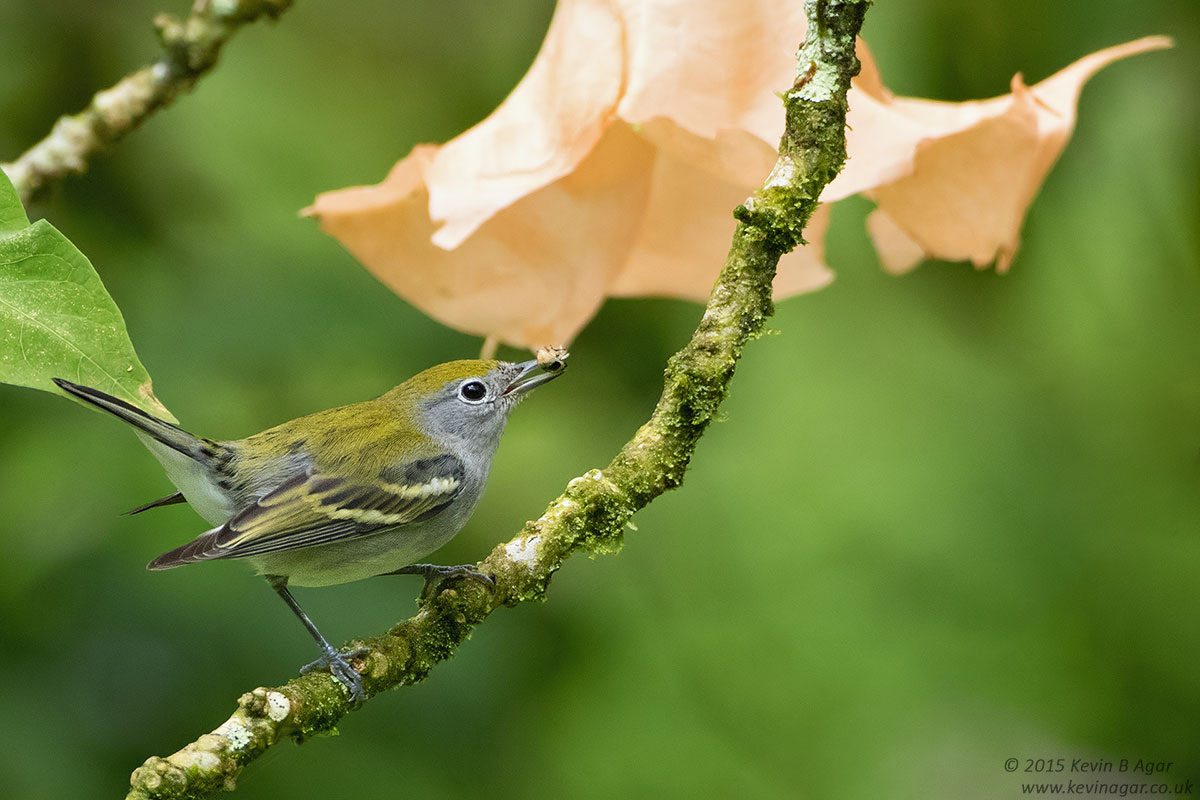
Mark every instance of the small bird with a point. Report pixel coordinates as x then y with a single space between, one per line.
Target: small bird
345 494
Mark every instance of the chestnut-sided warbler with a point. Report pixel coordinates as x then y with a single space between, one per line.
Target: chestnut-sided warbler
345 494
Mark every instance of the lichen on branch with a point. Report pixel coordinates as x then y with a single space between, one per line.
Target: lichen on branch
593 511
190 49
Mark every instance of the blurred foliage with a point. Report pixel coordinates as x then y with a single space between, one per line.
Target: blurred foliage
949 518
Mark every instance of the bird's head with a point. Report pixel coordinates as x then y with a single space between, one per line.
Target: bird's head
466 403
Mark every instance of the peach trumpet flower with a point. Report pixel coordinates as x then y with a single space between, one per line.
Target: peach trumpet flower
613 167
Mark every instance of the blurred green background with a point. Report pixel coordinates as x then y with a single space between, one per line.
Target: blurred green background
946 520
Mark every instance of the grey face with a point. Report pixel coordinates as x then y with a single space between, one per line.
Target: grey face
470 412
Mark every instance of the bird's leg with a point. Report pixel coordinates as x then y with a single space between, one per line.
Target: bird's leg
337 663
435 574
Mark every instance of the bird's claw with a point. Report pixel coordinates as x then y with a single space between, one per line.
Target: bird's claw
434 574
339 667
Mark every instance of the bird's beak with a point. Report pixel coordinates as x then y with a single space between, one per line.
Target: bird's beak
529 378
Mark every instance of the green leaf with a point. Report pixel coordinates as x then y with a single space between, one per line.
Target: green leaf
12 213
56 318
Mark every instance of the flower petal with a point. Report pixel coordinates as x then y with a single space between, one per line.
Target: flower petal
711 66
541 132
533 274
978 167
688 222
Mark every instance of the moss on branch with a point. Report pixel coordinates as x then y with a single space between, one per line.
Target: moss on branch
593 511
190 49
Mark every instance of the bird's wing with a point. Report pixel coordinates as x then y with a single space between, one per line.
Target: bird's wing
315 509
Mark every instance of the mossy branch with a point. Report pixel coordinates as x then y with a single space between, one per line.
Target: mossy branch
190 49
592 512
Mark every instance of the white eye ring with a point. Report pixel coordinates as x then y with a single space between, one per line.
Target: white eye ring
473 392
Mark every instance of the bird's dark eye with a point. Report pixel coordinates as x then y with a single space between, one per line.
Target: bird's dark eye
472 391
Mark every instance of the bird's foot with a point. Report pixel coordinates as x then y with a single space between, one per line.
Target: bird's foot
434 574
339 667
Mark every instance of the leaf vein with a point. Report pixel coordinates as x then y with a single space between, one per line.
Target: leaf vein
83 355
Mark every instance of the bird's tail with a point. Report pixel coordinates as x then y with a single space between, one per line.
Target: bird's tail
159 430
